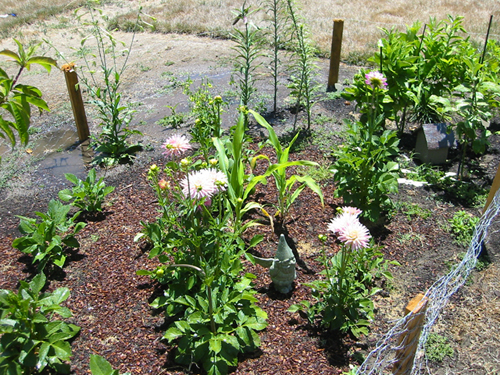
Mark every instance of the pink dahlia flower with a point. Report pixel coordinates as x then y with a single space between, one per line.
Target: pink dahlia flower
355 236
198 185
376 80
218 178
176 145
351 211
342 221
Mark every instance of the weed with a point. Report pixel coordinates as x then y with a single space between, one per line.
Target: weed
462 226
320 174
412 210
437 348
175 120
409 237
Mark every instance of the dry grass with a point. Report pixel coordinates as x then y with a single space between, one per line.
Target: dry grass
362 18
29 11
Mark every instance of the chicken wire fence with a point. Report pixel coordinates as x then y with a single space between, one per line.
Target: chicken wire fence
387 357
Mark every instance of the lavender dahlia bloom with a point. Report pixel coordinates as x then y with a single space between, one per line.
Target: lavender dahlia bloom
376 80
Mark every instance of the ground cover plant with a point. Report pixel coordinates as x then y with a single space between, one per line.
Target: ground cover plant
184 298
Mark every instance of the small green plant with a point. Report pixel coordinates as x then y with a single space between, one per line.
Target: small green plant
413 210
32 340
87 195
207 111
174 120
46 240
15 98
99 366
437 348
462 227
343 297
214 333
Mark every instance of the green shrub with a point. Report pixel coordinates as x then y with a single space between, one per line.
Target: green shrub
31 339
46 240
87 195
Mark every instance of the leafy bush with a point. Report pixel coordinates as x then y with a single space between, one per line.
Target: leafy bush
31 339
87 195
215 333
364 171
46 240
214 309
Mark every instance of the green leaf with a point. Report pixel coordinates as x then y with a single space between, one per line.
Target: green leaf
10 54
99 366
62 350
215 345
173 333
65 195
37 283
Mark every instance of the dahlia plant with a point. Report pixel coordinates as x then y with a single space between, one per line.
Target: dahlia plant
207 296
343 296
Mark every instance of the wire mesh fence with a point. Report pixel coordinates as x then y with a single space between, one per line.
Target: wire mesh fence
402 349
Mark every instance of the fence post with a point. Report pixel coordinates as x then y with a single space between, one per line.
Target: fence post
333 76
494 187
408 341
75 96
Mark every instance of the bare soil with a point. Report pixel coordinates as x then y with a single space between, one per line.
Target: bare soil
110 302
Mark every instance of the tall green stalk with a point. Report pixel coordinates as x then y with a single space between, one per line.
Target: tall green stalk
276 10
304 68
248 46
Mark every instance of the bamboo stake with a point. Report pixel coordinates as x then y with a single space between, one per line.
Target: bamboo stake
333 76
75 96
408 341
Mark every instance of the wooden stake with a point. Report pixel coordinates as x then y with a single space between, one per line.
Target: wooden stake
494 188
408 341
333 76
75 96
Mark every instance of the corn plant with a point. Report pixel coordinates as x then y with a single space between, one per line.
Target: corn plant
288 192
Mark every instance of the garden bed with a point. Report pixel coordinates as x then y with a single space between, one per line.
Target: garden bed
110 302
